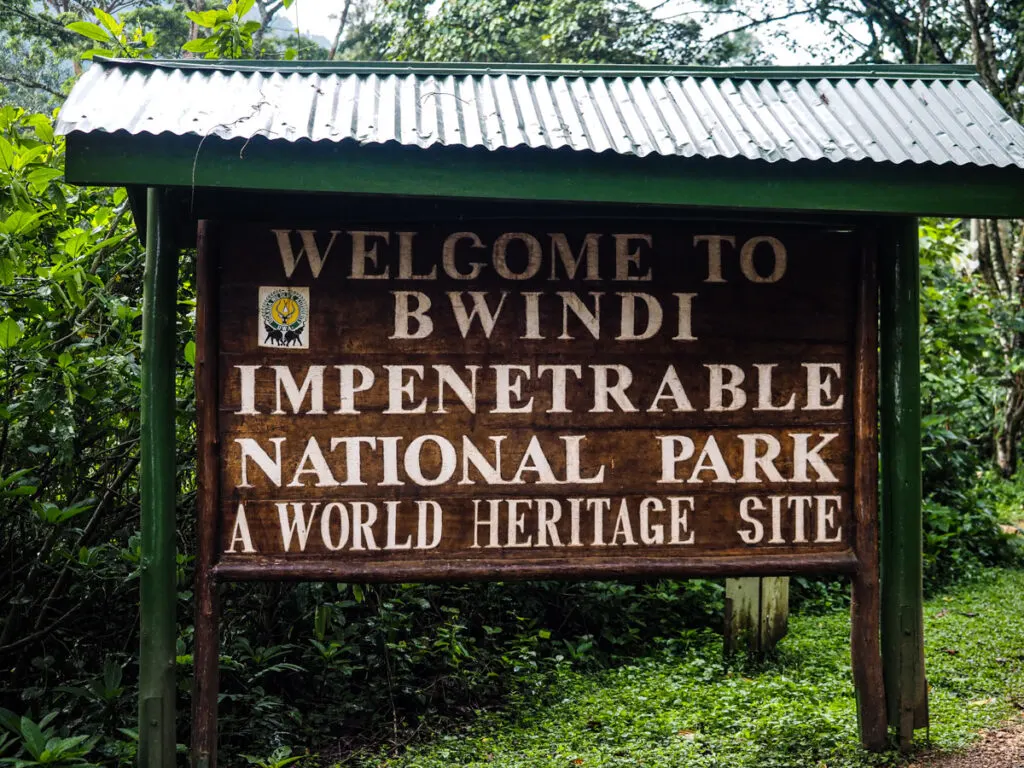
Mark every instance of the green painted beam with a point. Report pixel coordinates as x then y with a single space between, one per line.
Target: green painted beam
190 163
158 590
901 528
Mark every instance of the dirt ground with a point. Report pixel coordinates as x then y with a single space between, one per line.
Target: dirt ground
1003 748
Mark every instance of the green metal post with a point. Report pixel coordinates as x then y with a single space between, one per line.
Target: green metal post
901 529
158 596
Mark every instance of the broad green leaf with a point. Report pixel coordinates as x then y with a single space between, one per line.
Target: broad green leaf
50 513
90 30
98 52
20 222
6 154
13 477
190 353
43 127
207 19
76 243
43 175
200 45
109 22
244 6
58 747
27 156
10 332
9 720
8 115
6 271
35 741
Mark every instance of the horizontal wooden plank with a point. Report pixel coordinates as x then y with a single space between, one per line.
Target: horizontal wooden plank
320 569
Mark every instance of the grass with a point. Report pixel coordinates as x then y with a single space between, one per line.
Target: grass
684 707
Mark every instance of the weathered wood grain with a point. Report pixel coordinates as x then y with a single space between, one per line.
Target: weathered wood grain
207 610
865 606
670 430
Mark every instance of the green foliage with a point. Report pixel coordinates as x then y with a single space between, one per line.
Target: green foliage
554 31
167 25
380 658
961 367
32 73
230 36
685 706
110 34
42 745
70 294
279 758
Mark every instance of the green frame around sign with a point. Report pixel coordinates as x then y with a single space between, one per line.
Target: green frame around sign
523 174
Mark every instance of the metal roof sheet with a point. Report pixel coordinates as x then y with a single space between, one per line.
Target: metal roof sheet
920 115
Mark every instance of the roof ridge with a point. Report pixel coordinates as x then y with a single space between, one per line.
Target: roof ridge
869 71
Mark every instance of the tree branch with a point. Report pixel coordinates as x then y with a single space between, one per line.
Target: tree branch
27 83
341 28
760 23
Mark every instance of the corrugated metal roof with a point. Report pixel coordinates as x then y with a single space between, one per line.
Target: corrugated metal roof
885 114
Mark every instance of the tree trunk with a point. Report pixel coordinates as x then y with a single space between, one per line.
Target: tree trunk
1008 433
341 30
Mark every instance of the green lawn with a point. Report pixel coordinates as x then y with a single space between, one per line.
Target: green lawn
684 707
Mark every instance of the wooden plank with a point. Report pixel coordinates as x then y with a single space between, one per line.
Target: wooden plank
262 567
865 605
479 398
742 615
207 611
756 614
773 617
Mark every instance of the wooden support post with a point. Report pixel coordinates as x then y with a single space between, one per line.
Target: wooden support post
206 681
901 566
158 590
756 613
865 606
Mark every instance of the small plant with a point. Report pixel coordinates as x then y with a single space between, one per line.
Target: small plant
230 35
111 36
41 745
279 758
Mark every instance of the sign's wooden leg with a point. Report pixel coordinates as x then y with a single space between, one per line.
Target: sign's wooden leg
865 607
901 530
207 616
205 688
756 613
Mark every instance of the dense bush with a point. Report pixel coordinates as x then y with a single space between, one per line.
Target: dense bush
961 367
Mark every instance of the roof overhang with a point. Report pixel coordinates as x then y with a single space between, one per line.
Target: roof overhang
878 140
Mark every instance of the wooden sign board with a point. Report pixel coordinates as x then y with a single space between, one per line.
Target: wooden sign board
494 399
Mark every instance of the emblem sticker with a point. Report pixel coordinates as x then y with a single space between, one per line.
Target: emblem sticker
284 317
